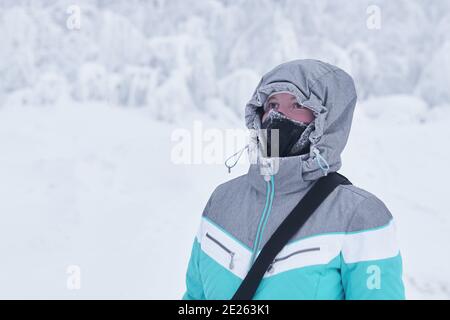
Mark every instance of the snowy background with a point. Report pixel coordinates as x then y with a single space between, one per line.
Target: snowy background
92 203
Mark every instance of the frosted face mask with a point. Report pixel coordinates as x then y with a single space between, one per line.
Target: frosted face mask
289 133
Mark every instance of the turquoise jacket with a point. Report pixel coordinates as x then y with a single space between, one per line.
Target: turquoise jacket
346 250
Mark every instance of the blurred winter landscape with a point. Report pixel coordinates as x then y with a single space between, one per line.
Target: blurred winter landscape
91 93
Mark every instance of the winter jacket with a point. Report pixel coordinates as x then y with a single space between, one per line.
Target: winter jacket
346 250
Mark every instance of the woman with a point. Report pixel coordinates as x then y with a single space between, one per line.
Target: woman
346 250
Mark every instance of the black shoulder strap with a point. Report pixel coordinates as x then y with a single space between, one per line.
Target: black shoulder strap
288 228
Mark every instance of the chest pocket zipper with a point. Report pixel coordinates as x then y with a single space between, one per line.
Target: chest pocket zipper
270 269
231 253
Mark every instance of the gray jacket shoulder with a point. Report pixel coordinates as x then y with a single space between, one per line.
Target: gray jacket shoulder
224 193
368 211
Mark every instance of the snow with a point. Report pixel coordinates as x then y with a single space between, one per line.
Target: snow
95 186
127 51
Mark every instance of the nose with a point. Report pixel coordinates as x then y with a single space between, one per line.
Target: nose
285 108
280 110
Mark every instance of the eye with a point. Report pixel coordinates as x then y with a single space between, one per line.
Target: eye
298 106
272 105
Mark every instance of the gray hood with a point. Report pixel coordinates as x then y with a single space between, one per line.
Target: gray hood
329 92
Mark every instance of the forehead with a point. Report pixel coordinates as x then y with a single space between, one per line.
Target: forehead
282 95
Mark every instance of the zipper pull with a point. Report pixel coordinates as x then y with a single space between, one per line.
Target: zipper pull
231 260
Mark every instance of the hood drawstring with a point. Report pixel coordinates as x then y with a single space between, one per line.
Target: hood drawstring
239 153
321 161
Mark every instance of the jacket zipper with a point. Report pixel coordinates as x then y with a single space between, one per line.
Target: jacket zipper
264 217
231 253
270 268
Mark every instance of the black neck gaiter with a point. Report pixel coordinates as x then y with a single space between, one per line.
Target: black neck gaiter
289 132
